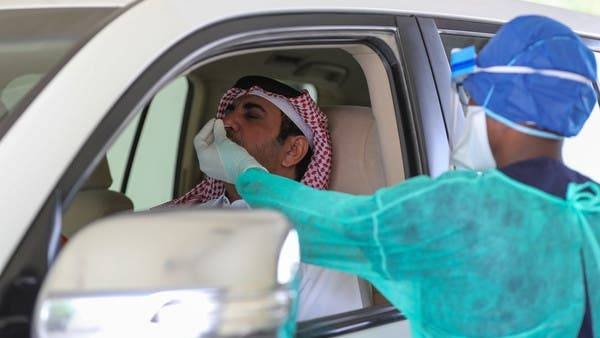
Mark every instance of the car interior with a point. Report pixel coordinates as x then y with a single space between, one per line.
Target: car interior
349 83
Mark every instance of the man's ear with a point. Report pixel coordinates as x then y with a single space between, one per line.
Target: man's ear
295 148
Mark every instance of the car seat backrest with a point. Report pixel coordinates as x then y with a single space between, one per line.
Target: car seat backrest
357 163
94 200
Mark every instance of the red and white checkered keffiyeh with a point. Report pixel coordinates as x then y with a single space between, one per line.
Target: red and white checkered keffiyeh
319 168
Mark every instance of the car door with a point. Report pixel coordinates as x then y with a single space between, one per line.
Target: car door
128 86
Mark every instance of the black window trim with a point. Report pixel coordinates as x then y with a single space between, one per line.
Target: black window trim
187 111
348 322
133 149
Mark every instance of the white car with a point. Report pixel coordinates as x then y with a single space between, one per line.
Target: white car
100 101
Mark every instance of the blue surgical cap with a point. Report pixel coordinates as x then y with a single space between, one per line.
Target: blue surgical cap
554 104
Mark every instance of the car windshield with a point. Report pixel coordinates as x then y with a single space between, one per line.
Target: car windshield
33 42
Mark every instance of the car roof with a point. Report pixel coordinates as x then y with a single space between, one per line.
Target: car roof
494 11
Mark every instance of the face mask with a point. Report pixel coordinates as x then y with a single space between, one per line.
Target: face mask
472 149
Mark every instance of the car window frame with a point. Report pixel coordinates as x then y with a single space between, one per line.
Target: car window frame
135 142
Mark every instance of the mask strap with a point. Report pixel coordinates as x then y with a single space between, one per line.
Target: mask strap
561 74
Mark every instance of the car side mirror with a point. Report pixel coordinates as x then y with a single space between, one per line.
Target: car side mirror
179 272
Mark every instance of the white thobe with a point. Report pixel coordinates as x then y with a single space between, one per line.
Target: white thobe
322 292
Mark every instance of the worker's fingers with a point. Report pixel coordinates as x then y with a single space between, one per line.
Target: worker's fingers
219 131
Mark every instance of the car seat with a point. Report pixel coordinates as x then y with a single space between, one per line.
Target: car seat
94 200
357 163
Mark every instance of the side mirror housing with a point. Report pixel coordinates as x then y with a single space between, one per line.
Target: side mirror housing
173 273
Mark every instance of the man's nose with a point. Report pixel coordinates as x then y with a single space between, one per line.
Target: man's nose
231 121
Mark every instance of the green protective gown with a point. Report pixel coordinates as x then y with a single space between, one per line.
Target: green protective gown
463 255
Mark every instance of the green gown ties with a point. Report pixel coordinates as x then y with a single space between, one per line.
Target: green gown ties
463 255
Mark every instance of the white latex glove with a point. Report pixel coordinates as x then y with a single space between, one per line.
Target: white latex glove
218 156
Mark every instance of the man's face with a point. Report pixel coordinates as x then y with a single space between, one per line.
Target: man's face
253 122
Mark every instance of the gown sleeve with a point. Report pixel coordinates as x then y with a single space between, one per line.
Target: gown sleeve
355 233
460 255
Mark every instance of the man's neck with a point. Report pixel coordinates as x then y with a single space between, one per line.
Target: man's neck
528 148
231 193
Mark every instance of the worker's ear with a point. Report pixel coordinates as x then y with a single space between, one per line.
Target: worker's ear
295 148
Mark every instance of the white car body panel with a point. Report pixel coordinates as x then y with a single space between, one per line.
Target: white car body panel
22 4
481 10
43 142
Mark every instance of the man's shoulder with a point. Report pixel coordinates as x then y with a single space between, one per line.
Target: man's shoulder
222 202
213 203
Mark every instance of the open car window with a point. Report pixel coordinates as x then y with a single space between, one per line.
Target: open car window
143 160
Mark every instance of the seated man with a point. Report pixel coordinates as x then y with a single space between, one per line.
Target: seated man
286 132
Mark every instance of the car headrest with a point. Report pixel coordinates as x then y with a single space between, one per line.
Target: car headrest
357 161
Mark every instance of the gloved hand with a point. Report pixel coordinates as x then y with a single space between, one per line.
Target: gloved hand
218 156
